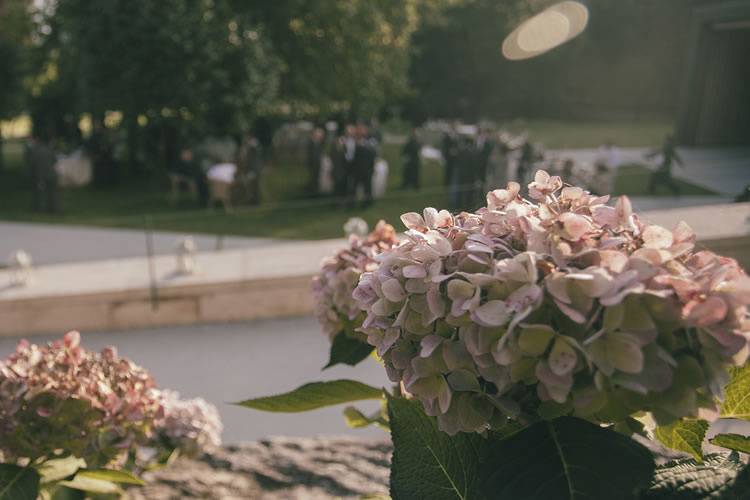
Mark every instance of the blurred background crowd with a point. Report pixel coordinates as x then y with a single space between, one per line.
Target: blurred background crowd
118 110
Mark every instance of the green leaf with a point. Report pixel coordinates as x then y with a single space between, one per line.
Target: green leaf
737 399
734 442
57 492
18 483
428 463
357 420
347 350
59 468
550 410
91 485
684 435
114 476
717 477
564 459
560 459
315 395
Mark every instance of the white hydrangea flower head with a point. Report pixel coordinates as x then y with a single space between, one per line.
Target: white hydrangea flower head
191 426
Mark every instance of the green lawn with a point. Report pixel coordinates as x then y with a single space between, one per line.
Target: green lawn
633 180
588 134
286 213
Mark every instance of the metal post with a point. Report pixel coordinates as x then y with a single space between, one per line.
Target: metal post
154 290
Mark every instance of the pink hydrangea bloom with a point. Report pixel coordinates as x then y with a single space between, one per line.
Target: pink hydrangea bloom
62 397
566 300
332 287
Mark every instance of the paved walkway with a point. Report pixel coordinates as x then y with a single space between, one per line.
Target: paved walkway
644 203
225 363
724 170
53 244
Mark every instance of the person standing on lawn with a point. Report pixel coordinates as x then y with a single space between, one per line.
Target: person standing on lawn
663 174
188 167
484 146
449 148
41 160
249 169
465 175
525 162
314 160
340 168
410 153
100 150
365 153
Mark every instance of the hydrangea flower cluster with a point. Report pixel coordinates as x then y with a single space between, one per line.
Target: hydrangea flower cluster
335 308
560 305
60 397
189 425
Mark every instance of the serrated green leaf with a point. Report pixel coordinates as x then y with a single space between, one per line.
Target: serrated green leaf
315 395
563 459
560 459
347 350
91 485
684 435
737 399
114 476
717 477
18 483
428 463
550 410
59 468
734 442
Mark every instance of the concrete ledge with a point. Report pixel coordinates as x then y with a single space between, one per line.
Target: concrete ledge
219 302
236 285
240 285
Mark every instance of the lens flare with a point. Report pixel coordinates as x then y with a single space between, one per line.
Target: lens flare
543 32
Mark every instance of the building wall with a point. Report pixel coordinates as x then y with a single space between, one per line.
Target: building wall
715 101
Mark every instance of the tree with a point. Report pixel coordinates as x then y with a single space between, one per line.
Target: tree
627 62
15 29
339 55
189 64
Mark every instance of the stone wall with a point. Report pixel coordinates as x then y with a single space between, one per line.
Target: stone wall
275 469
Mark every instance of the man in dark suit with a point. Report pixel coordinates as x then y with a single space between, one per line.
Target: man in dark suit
450 150
484 147
411 157
663 174
364 166
247 180
464 186
313 160
41 160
